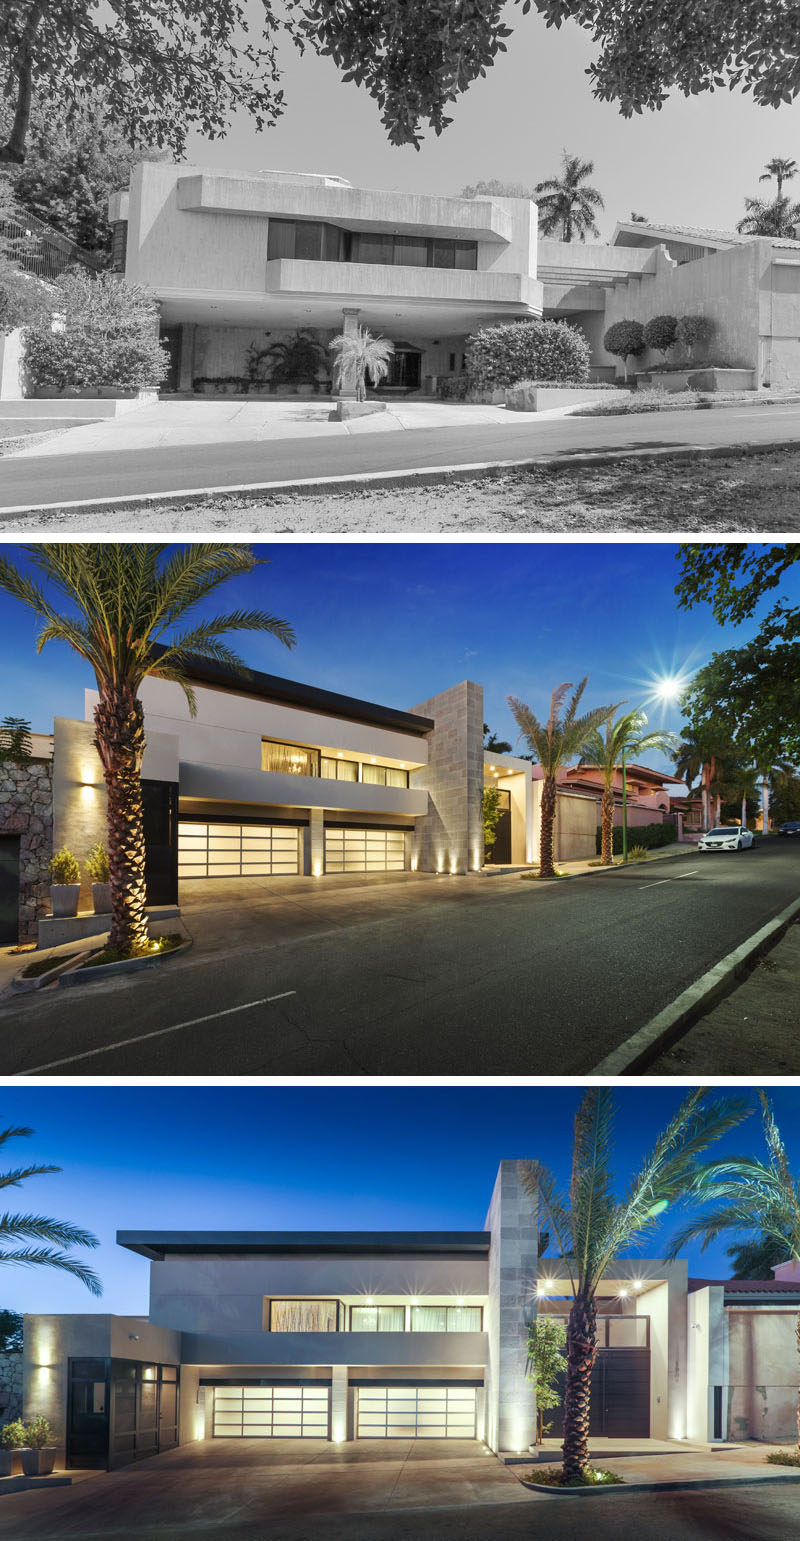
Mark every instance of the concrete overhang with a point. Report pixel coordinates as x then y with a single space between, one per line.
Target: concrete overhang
352 208
231 784
329 1348
354 283
159 1245
393 317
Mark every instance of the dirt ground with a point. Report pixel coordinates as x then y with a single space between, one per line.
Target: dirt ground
751 1032
730 493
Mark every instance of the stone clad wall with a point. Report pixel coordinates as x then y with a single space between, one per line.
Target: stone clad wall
26 809
449 838
10 1387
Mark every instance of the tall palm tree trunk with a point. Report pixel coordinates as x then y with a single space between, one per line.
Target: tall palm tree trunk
119 739
547 828
581 1350
607 828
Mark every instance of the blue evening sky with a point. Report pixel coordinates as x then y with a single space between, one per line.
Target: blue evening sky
396 623
316 1158
693 163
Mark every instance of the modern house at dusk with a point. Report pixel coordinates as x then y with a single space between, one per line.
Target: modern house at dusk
241 261
388 1335
273 778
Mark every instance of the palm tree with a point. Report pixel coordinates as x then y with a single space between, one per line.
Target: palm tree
749 1196
358 354
124 602
17 1230
605 752
554 744
781 170
777 219
700 754
592 1228
566 204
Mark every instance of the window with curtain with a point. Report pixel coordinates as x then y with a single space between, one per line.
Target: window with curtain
446 1319
289 759
303 1316
384 776
338 770
377 1319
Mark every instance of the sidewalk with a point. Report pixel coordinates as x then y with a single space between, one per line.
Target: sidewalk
577 869
668 1464
752 1031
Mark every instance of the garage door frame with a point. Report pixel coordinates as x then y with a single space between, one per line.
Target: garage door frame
258 848
364 848
416 1410
270 1412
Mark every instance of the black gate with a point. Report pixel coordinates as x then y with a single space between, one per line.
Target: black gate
160 804
620 1396
9 889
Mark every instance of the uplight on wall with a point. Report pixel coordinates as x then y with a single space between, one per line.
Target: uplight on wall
87 792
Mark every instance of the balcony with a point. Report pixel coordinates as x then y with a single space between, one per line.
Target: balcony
351 282
233 784
323 1348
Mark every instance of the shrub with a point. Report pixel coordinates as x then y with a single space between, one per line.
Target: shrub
64 868
498 356
637 853
650 836
103 332
96 864
625 339
454 388
693 332
660 334
39 1433
12 1435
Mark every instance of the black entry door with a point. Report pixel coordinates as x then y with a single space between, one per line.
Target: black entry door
170 339
620 1396
405 369
160 803
501 850
9 889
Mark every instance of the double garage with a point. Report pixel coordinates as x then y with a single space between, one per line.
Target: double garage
302 1411
228 850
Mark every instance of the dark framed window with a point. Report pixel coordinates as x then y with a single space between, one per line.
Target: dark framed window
306 240
302 1315
289 759
377 1319
335 769
446 1318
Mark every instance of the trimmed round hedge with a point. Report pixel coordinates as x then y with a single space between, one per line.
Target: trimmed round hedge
499 356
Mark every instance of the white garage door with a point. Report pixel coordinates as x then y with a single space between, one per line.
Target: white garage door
238 850
365 850
271 1412
416 1412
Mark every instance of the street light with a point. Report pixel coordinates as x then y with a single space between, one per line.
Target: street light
664 690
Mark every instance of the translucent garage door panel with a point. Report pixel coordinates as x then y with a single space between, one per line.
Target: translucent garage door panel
416 1412
238 850
364 850
271 1412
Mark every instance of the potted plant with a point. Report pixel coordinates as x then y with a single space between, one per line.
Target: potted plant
65 885
97 871
12 1440
38 1455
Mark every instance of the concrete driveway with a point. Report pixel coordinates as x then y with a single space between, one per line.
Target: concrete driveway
229 1488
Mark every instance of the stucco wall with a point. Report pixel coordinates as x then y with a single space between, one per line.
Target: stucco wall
26 809
576 822
763 1373
724 286
449 838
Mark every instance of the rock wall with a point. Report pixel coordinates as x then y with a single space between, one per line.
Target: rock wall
10 1387
26 809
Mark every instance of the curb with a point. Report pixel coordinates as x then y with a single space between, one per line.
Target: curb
23 986
81 976
670 1024
423 476
697 1484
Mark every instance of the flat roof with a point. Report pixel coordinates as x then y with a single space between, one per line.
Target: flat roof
158 1245
271 687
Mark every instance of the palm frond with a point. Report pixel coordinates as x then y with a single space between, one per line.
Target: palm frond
47 1257
539 1182
42 1228
20 1175
591 1187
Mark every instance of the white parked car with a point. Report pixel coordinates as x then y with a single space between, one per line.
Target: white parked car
726 837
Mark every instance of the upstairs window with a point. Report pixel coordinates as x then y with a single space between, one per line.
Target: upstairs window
446 1319
338 770
384 776
377 1319
289 759
302 1316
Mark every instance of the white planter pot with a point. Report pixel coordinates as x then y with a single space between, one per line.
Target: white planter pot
101 898
7 1463
37 1463
64 898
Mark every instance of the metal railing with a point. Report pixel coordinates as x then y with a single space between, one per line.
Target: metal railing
36 248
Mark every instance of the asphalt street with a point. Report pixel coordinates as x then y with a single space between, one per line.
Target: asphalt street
56 480
484 977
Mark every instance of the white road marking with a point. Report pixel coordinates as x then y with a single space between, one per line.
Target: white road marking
659 882
123 1043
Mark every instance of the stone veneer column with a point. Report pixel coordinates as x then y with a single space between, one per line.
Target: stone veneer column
513 1262
449 837
316 842
26 810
